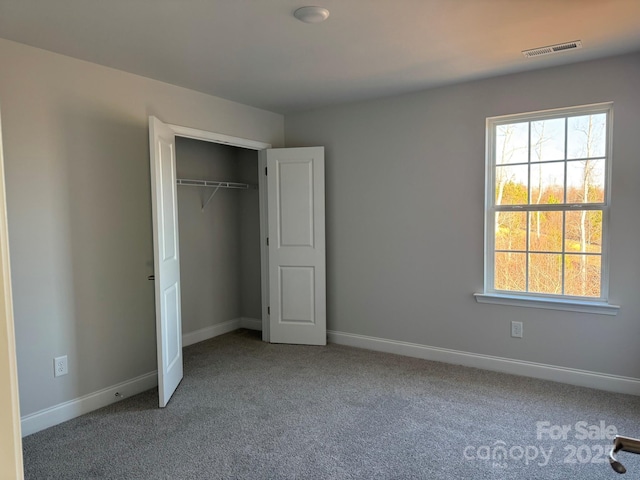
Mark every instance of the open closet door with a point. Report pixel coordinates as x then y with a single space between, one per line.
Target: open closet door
297 278
166 257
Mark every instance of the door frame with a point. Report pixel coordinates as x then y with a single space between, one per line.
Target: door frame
213 137
10 433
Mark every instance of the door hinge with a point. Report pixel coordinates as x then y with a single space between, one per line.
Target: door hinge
268 310
267 241
265 170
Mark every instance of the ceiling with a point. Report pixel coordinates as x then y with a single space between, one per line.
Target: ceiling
255 52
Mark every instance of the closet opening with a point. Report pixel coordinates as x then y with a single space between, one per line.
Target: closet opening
219 238
226 272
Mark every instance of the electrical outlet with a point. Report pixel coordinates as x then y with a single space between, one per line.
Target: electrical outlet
516 329
60 366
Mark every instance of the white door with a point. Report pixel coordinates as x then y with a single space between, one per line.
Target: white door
166 258
297 278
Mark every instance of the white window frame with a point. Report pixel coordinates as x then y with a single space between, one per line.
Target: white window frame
529 299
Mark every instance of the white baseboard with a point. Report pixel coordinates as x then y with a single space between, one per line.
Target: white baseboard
210 332
74 408
220 329
62 412
583 378
51 416
251 323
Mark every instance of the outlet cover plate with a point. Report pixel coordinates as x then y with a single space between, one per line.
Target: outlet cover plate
60 366
516 329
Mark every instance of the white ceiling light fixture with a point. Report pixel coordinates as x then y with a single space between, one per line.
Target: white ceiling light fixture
311 14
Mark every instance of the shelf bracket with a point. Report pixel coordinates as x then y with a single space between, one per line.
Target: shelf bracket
210 197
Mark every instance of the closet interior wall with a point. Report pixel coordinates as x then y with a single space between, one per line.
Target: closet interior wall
220 246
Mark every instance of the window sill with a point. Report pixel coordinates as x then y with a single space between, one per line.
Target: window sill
599 308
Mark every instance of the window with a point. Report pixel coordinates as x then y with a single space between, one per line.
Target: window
547 205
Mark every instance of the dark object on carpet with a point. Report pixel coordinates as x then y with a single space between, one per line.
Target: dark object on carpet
622 444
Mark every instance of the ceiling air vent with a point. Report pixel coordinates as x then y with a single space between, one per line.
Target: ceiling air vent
551 49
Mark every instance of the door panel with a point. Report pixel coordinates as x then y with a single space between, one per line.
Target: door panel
166 258
297 292
167 211
172 345
297 278
296 203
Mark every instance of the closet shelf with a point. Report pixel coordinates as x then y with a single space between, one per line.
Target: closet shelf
212 183
186 182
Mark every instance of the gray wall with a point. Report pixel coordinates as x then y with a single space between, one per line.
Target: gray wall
77 171
219 248
250 287
405 193
209 239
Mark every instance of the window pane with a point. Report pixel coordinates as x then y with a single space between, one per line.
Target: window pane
545 168
512 185
582 275
545 231
585 181
586 136
512 143
547 183
547 140
511 231
509 271
545 273
583 231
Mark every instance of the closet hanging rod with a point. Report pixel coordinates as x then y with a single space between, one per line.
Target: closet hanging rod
213 184
186 182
